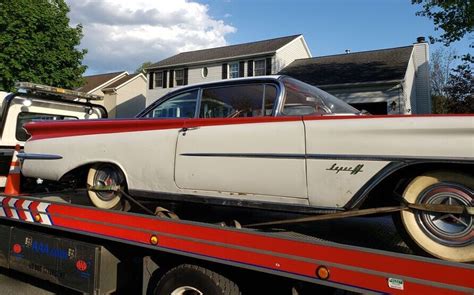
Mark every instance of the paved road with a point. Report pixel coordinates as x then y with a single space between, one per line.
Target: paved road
13 283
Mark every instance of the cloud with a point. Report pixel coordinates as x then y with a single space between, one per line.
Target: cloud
122 34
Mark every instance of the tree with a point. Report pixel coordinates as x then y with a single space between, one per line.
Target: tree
38 45
454 17
142 68
460 90
441 61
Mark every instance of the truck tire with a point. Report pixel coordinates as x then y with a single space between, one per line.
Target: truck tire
446 236
188 279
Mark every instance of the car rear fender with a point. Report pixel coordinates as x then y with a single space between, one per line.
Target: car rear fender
384 187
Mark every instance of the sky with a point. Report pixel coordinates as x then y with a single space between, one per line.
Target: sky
122 34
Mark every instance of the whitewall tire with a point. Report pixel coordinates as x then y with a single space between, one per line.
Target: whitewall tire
105 174
446 236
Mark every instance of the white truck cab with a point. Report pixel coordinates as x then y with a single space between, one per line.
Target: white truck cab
34 102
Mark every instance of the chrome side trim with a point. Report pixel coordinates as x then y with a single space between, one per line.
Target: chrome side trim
242 203
248 155
28 156
387 158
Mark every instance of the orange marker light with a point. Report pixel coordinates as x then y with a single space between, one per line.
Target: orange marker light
154 240
322 272
37 218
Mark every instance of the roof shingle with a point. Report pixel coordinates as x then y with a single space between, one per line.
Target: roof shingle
264 46
120 81
94 81
358 67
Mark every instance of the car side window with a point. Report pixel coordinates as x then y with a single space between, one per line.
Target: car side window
180 106
252 100
299 102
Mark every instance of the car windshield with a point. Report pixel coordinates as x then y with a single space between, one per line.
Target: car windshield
303 99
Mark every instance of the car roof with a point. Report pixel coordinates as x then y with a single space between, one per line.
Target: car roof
228 81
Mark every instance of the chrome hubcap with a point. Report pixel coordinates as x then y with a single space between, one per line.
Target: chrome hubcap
448 229
107 175
186 290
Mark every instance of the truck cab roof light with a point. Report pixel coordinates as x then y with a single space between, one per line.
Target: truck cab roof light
27 87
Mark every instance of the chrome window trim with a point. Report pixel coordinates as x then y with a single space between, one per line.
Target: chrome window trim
166 98
220 83
198 103
275 83
279 105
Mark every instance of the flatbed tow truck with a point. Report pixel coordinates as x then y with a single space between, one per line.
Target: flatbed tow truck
57 235
61 238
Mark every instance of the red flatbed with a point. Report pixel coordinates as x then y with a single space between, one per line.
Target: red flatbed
296 257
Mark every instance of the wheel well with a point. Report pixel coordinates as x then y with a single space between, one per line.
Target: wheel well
78 176
385 193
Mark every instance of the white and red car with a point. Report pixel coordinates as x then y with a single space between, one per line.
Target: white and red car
275 143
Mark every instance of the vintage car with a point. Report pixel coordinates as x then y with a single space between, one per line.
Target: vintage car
276 143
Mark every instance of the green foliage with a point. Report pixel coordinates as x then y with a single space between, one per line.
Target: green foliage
38 45
142 68
460 90
439 104
454 17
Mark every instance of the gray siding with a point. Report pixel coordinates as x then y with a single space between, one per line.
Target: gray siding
296 49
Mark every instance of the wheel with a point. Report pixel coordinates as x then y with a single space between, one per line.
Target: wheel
105 175
188 279
446 236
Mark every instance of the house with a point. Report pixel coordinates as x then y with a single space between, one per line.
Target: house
242 60
124 94
385 81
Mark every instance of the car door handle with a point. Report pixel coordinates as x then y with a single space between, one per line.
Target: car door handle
186 129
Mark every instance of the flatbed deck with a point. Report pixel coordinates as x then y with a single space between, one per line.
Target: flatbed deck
361 254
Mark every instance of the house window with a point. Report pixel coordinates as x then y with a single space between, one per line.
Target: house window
158 79
234 70
205 71
259 68
179 77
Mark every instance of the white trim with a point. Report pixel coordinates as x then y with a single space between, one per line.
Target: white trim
408 63
212 61
108 82
128 81
202 72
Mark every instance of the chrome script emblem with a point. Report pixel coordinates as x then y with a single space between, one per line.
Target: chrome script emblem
352 170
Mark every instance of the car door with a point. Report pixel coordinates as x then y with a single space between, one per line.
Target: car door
156 173
237 148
